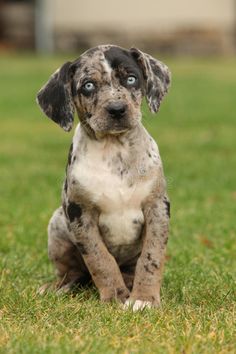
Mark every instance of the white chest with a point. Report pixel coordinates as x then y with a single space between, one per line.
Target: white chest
100 176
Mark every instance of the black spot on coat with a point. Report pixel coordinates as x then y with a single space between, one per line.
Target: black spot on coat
147 269
155 265
74 211
167 203
81 248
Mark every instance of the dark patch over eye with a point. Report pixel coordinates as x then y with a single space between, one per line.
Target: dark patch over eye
125 65
129 80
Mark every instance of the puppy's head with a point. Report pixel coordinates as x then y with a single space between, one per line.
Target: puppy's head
106 86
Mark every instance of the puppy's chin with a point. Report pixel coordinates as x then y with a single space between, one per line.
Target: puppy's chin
112 132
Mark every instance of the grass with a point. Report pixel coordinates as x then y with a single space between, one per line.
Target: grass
195 130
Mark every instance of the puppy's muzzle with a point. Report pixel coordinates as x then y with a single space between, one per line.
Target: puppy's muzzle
117 110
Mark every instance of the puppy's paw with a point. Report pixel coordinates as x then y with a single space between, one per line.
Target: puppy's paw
137 305
108 294
44 289
57 287
65 288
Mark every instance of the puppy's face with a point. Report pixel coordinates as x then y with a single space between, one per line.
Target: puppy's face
108 90
105 85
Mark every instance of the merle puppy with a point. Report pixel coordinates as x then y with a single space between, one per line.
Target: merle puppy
112 226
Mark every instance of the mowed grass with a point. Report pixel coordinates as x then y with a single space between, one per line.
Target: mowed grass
196 134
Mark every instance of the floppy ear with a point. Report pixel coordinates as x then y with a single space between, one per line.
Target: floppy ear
156 75
55 97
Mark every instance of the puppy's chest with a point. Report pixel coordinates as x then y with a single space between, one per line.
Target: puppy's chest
117 183
110 178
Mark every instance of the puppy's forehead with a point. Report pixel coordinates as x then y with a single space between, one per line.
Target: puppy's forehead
106 58
118 57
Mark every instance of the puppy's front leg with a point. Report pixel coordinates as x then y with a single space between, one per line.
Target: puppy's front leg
148 273
100 263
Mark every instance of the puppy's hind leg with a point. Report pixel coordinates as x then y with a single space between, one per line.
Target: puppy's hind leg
70 267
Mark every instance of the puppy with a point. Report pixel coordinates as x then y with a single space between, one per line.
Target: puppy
112 226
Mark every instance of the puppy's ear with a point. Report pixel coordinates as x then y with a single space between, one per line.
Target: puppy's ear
156 75
55 97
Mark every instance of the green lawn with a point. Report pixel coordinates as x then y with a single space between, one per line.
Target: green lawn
196 133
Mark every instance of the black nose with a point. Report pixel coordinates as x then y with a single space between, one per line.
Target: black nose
117 109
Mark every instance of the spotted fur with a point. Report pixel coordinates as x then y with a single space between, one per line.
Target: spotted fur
113 223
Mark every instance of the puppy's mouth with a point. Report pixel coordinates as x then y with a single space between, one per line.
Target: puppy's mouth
111 131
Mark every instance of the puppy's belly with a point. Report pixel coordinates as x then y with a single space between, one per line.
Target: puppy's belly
121 232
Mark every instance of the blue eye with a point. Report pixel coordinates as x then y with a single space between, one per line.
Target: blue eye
89 86
131 80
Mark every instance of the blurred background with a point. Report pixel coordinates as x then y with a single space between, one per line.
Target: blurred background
195 130
189 27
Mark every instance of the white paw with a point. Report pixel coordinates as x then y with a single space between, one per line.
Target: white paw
43 289
137 305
